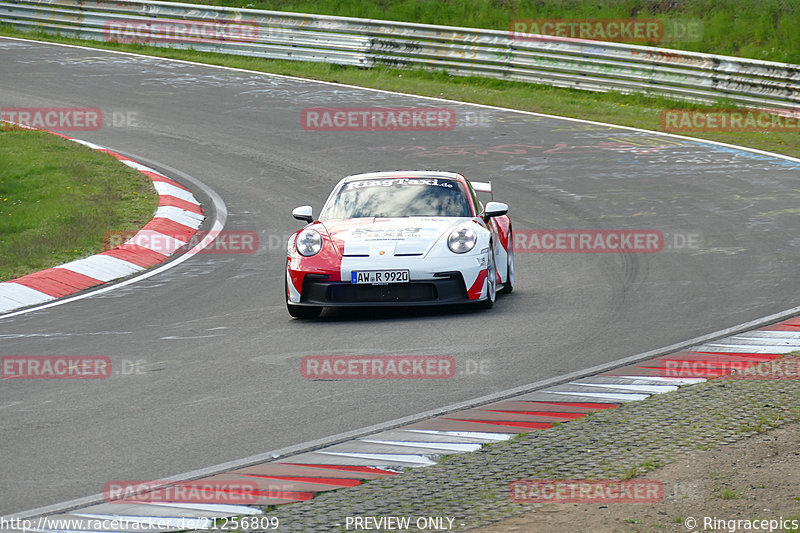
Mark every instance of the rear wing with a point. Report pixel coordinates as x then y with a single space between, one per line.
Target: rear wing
483 186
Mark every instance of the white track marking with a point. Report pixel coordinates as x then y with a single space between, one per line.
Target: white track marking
448 446
380 458
102 267
13 295
168 189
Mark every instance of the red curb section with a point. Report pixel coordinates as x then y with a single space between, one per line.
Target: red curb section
370 472
558 416
280 483
57 282
170 228
138 255
787 325
171 201
507 424
158 177
515 416
334 481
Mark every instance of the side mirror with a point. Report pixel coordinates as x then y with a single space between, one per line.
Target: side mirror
494 209
303 213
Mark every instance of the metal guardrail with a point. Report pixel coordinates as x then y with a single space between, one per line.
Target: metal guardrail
562 62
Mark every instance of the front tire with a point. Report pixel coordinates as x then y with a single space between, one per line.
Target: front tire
508 286
299 311
491 281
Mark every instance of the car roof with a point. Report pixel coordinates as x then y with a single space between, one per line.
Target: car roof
406 174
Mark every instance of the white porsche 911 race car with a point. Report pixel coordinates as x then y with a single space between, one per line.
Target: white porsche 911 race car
400 238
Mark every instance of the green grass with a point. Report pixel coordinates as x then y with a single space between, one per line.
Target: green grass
796 519
729 494
58 200
762 424
632 473
761 30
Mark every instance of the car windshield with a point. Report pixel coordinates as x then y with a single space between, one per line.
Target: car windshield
398 197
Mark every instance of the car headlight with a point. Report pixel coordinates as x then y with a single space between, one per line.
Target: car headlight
309 242
462 240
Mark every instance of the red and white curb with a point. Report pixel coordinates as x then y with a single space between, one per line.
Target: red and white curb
300 477
175 221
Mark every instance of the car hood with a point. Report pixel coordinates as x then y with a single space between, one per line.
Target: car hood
408 236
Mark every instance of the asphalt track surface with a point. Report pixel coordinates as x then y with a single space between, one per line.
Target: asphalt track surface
219 356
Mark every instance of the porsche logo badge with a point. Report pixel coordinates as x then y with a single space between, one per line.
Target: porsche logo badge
381 252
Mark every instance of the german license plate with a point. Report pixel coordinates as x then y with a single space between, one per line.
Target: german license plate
379 277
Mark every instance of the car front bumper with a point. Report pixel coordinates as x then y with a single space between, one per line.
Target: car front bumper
445 289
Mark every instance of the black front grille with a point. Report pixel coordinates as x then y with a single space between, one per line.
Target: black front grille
399 292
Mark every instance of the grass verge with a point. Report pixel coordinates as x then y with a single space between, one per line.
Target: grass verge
760 30
58 200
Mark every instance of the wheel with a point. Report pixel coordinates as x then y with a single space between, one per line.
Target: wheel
508 286
491 281
299 311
